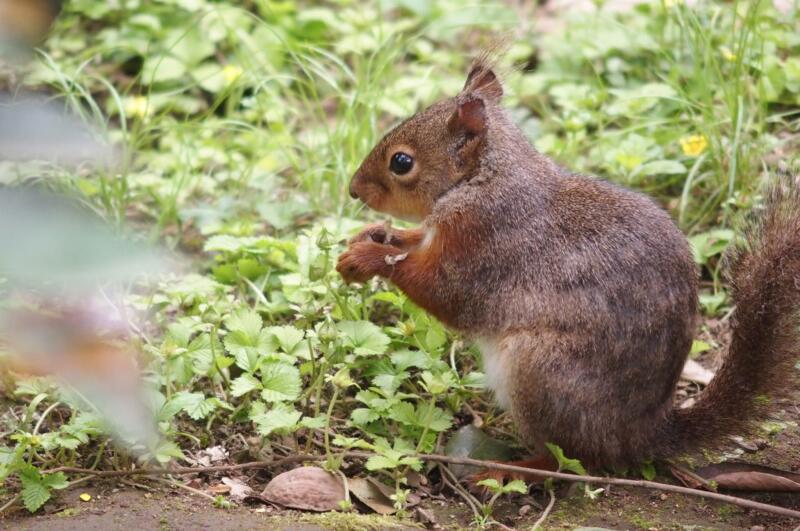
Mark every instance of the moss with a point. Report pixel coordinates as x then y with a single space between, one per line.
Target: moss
69 512
354 521
641 522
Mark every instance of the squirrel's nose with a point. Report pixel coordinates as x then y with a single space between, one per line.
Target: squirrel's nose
353 192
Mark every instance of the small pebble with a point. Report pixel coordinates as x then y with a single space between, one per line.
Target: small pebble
525 509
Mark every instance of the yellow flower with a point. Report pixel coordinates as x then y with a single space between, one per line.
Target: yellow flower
693 145
137 106
727 54
231 73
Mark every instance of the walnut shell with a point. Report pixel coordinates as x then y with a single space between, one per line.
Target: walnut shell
308 488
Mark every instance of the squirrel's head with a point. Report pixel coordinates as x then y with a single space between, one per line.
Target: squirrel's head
426 155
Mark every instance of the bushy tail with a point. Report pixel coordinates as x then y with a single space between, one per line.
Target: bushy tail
764 272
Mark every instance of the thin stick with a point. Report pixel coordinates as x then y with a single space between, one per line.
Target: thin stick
173 483
10 502
546 512
178 471
451 481
741 502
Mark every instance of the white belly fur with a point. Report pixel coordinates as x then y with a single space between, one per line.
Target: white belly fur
495 367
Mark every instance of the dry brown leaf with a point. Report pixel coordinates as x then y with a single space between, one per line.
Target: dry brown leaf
747 477
239 490
371 496
218 489
307 488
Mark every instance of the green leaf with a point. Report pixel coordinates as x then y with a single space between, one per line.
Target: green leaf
225 243
404 412
246 321
711 243
403 359
281 382
565 463
56 481
381 462
34 492
244 384
196 405
362 416
159 69
492 484
698 347
516 485
317 422
648 471
246 340
364 337
201 353
390 382
436 419
166 451
289 338
435 338
280 418
660 167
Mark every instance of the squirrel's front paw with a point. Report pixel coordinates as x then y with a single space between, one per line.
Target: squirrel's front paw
377 232
363 260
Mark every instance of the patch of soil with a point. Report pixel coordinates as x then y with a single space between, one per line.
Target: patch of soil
125 509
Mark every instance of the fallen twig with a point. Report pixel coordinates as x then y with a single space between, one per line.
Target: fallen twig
741 502
183 470
179 485
546 512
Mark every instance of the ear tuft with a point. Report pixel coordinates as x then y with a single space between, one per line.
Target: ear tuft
482 80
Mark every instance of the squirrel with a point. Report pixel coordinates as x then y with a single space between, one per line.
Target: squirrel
581 294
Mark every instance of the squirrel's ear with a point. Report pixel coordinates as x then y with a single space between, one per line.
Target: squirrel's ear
469 116
482 80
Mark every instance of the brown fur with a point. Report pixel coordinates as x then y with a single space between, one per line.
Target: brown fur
588 289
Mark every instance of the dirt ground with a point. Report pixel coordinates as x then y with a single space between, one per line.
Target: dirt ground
112 508
149 505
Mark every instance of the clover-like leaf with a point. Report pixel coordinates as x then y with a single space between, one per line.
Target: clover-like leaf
280 418
362 415
290 339
196 405
281 382
403 359
246 321
244 384
381 462
246 340
364 337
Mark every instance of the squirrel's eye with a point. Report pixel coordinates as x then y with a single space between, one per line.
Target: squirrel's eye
401 163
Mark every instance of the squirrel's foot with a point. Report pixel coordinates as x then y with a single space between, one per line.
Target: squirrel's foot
544 462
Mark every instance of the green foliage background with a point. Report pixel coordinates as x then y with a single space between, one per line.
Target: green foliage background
239 125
